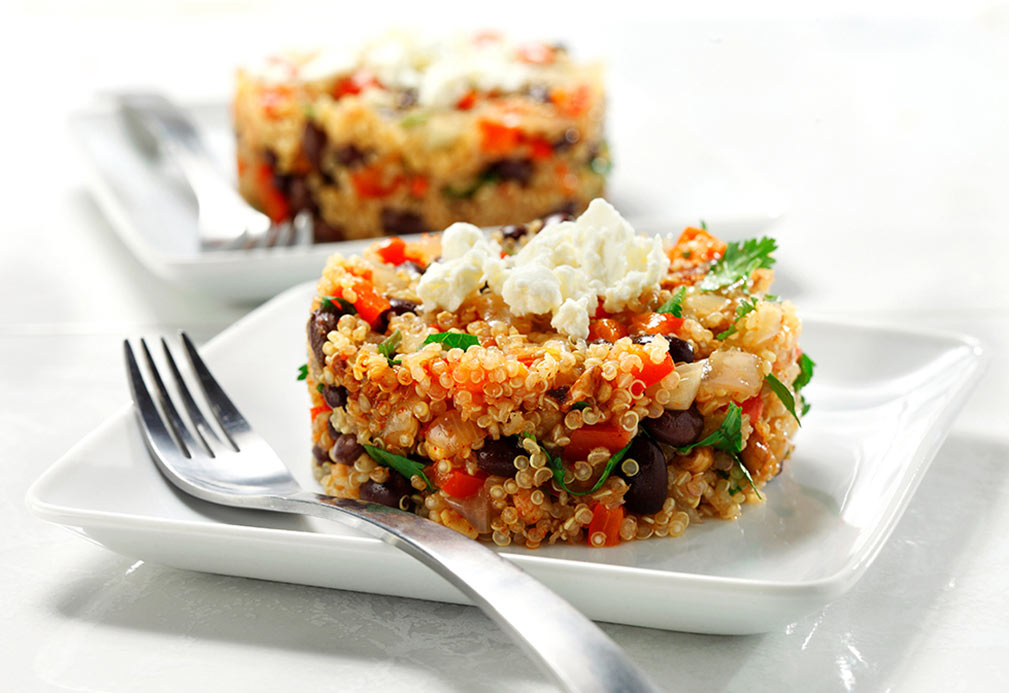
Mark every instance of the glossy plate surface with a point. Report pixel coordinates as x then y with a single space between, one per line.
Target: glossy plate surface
152 210
883 401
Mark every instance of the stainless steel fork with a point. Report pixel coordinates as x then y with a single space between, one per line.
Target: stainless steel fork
241 470
225 221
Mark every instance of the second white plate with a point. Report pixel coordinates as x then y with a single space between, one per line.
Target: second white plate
883 401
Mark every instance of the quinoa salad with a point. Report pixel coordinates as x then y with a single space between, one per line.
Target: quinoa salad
407 134
565 380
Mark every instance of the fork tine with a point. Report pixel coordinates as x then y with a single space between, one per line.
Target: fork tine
206 434
227 414
155 433
284 235
182 435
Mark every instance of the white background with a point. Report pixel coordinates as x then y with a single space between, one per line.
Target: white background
880 133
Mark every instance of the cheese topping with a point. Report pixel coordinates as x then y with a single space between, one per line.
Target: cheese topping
566 270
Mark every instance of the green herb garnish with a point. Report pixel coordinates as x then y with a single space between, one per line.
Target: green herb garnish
704 227
453 340
557 467
388 347
746 306
470 190
738 262
675 304
686 254
806 366
729 439
781 390
403 465
339 304
414 119
302 371
318 388
579 405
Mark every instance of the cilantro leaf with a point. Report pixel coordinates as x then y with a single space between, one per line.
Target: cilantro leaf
338 304
388 347
452 340
579 405
675 304
403 465
302 371
704 227
318 388
806 366
557 467
781 390
739 260
746 306
729 439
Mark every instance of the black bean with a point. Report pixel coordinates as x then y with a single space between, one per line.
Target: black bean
567 140
520 170
647 490
497 457
680 350
389 493
333 433
299 195
346 449
270 158
320 325
558 217
282 183
335 395
320 453
559 393
407 98
325 232
397 222
313 141
402 305
600 340
676 428
382 321
411 266
350 156
514 231
642 338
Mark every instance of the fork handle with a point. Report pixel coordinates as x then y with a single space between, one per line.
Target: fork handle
553 633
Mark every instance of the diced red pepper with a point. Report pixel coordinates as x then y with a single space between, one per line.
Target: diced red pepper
497 138
371 182
369 304
655 323
607 435
419 185
315 411
272 201
753 407
651 373
460 484
392 251
707 246
467 101
607 329
541 148
355 84
571 103
608 522
274 99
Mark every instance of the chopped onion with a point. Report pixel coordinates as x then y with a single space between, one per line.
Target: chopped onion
450 435
734 373
476 510
690 380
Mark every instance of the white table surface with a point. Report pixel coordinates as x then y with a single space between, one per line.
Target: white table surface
882 137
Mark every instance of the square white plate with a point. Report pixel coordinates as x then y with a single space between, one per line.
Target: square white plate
883 401
152 210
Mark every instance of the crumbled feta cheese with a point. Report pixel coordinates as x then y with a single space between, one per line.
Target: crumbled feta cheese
566 270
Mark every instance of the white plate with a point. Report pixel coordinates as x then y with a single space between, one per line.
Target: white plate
152 210
883 401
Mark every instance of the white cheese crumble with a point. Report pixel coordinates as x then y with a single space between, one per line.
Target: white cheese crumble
566 270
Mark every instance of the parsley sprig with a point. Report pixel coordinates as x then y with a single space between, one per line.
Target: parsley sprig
452 340
781 390
389 345
403 465
675 304
738 262
302 371
339 305
746 306
729 439
557 467
806 366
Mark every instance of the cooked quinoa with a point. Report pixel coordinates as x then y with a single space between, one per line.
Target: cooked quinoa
530 434
406 135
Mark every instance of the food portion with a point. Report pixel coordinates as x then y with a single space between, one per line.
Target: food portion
566 380
406 135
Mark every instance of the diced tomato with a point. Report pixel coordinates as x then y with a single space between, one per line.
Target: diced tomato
460 484
419 185
467 101
371 181
607 329
707 247
541 148
315 411
753 408
355 84
273 202
369 304
608 522
655 323
536 53
607 435
572 103
651 373
392 250
498 138
274 99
